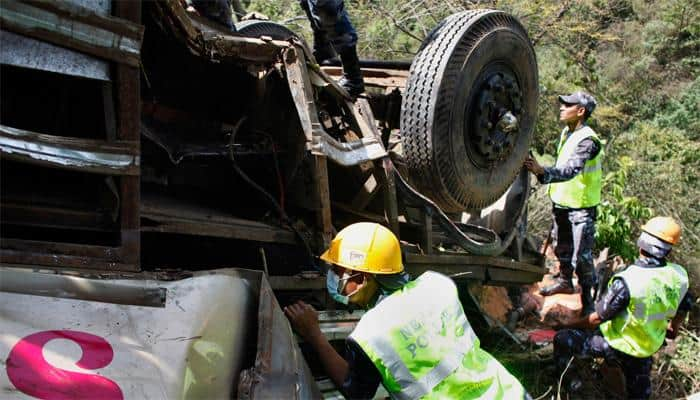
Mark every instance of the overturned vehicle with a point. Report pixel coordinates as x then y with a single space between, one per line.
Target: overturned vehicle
142 146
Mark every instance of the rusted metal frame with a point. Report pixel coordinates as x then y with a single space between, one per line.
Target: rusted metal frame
362 112
109 111
75 27
427 232
279 371
296 282
217 229
387 78
215 45
128 112
61 260
469 259
318 141
31 252
54 217
85 155
323 195
380 219
35 246
365 195
302 93
390 200
471 272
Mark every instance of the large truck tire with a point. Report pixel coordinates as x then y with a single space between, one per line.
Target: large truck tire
472 70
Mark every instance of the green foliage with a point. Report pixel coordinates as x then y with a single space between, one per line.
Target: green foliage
619 216
665 175
684 112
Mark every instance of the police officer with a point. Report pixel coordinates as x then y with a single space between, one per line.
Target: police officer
574 188
335 35
635 315
415 339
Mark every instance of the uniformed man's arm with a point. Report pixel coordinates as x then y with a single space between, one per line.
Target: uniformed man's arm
363 379
586 150
675 324
613 302
304 320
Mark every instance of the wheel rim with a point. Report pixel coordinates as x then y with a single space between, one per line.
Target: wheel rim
492 116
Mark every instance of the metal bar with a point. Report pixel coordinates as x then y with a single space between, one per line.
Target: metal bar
77 250
15 280
87 155
427 231
400 65
75 27
468 259
390 201
243 231
318 141
128 102
21 213
214 45
323 209
296 282
61 260
109 111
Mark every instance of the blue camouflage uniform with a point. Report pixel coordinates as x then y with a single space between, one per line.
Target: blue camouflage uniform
587 343
574 229
330 23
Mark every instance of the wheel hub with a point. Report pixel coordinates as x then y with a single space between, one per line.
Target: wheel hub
495 121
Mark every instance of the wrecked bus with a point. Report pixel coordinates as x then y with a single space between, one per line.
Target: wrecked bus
155 167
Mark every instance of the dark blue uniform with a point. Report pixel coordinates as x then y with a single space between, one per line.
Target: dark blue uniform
586 344
330 23
574 229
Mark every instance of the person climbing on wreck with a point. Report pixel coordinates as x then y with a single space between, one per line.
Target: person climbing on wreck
335 35
414 339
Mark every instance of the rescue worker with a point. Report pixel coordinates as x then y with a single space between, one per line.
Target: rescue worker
335 35
644 304
415 338
574 188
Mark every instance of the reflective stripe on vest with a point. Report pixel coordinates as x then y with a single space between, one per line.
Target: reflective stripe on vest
420 340
655 294
583 190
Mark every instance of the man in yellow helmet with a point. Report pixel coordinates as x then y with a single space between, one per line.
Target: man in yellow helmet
574 188
414 339
643 305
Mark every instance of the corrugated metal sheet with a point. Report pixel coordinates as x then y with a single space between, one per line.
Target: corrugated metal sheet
30 53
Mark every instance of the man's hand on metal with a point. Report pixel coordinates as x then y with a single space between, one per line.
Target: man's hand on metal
304 320
533 166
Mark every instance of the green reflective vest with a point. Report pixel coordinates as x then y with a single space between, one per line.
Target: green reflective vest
424 348
583 190
655 294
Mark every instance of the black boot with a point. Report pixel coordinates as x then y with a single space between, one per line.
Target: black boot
560 285
352 75
324 53
587 299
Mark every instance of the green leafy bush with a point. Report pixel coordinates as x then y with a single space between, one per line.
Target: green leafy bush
619 216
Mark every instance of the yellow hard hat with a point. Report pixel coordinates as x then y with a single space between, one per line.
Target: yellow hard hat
664 228
367 247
